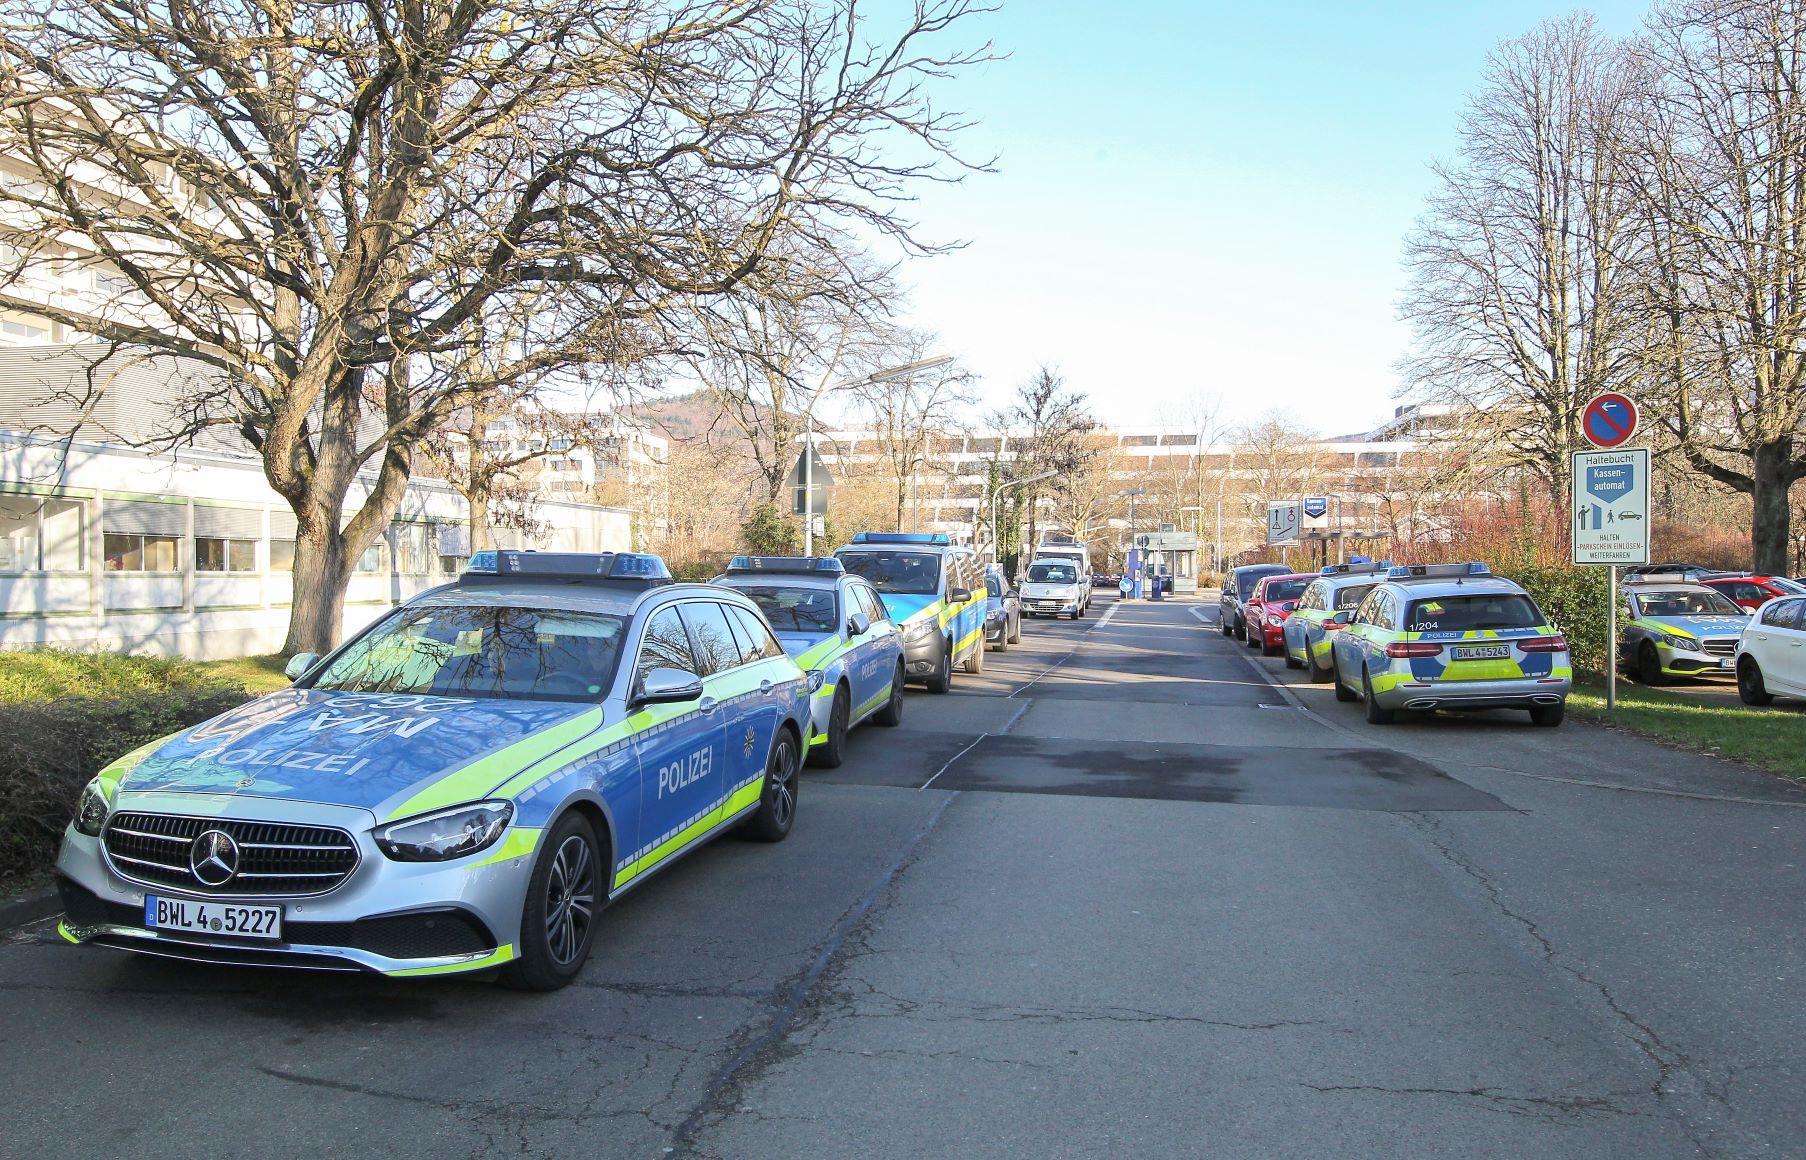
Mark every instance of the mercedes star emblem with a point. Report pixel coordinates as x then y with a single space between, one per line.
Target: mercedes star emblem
214 858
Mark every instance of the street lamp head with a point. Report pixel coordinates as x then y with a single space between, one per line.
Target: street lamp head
908 368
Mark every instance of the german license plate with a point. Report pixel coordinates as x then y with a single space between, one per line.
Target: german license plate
1046 604
1724 662
1482 652
233 918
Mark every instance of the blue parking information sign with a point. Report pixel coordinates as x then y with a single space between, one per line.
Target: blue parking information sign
1611 506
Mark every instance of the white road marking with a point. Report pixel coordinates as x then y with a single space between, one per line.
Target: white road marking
954 758
1108 613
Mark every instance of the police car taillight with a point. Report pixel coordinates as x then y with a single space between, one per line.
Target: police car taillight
1413 648
1556 643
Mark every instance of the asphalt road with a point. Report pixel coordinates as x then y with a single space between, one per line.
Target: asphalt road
1131 891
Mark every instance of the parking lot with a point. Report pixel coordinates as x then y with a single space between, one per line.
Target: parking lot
1132 889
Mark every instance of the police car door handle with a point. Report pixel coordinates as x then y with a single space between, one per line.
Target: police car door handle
764 686
707 705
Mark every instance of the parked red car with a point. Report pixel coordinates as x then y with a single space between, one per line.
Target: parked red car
1272 601
1752 592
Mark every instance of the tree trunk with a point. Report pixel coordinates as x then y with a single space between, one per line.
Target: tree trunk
321 574
1771 473
476 500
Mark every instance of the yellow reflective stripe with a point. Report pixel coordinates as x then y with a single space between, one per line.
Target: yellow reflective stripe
520 840
641 720
477 779
969 638
819 654
498 956
741 798
825 691
882 696
62 928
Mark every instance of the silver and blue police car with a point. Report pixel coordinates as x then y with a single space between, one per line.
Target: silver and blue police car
837 629
462 786
934 591
1675 630
1451 636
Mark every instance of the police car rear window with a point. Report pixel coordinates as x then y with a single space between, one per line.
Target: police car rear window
1472 613
507 653
795 609
1351 596
901 573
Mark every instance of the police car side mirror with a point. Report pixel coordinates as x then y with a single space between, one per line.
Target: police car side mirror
299 664
669 686
958 594
858 624
1345 617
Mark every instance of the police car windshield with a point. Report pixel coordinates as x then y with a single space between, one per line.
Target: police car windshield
528 654
1705 602
1052 574
1351 596
795 609
903 573
1472 613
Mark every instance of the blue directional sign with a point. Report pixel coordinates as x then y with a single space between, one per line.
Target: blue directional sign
1316 507
1610 482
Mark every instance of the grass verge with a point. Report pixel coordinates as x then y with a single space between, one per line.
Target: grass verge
1764 738
257 674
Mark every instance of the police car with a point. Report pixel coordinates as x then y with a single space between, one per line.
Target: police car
1677 630
934 591
1451 636
461 786
1325 607
836 628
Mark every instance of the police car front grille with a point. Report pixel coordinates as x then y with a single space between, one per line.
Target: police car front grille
275 858
1721 646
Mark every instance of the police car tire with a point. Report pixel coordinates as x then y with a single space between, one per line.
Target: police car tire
975 660
1292 662
1224 625
832 753
1549 716
1241 629
941 680
1649 666
776 811
1015 634
1343 692
892 713
1375 714
537 969
1317 675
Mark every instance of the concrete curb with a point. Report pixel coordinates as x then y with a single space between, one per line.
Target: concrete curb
18 909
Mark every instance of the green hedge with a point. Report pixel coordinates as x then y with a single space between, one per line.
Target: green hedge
1575 599
50 749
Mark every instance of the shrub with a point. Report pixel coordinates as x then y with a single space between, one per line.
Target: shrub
49 750
1575 599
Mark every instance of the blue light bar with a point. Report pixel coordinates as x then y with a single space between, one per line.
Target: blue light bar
641 566
791 565
937 538
1437 571
1357 568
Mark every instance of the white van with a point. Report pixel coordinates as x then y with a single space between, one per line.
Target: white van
1053 586
1066 548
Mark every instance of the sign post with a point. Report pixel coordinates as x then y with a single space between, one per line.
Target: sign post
1611 527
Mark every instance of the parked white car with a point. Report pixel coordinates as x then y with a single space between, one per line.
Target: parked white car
1771 654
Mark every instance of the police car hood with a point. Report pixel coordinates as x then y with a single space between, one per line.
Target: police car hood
1701 626
369 750
904 605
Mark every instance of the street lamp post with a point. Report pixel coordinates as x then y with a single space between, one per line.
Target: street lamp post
997 554
1126 556
878 376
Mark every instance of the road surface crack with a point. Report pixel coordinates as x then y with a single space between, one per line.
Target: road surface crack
1540 1107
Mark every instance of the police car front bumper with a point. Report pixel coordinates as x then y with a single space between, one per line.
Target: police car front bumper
388 917
1507 693
922 655
1694 662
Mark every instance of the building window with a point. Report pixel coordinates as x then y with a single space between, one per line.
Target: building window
213 554
41 535
371 560
25 330
131 552
451 565
282 555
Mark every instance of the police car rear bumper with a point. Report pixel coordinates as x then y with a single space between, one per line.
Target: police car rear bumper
394 918
1513 693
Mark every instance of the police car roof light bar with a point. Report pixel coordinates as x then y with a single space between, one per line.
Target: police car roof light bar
640 568
1361 569
792 565
1437 571
938 538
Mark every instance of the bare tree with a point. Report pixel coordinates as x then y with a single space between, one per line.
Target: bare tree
1046 424
1519 266
312 195
1723 200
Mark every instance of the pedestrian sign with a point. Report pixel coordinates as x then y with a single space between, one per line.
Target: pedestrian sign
1282 522
1611 506
1609 420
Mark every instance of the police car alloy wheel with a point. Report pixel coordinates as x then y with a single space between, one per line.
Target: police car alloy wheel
771 822
558 924
892 713
975 660
833 752
941 680
1375 714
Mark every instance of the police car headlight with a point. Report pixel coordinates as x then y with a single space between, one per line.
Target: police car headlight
919 629
92 809
817 678
447 834
1680 642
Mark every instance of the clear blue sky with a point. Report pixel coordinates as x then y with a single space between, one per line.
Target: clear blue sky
1199 200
